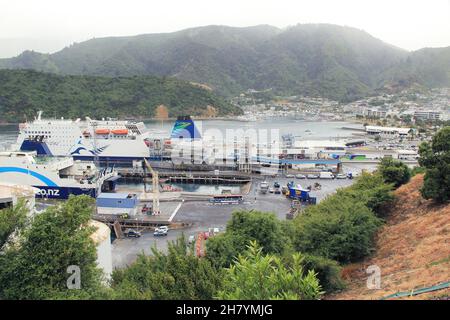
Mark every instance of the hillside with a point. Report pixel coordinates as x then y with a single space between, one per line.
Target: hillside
412 249
24 92
312 59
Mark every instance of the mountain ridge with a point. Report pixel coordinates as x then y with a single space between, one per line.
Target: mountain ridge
337 62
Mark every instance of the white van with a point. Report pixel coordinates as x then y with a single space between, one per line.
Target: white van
326 175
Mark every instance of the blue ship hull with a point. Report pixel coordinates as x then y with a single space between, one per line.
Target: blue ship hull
46 192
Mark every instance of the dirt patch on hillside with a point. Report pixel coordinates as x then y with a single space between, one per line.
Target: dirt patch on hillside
412 249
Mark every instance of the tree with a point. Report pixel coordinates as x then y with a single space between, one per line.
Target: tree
338 228
327 271
394 171
435 157
57 238
244 226
255 276
177 275
12 220
371 190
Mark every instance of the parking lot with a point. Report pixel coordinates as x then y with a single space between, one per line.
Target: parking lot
204 215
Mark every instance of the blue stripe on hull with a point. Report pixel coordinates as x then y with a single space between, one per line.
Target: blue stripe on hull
32 173
63 192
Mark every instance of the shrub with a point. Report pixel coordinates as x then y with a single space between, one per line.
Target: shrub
337 228
255 276
328 272
244 226
394 171
436 159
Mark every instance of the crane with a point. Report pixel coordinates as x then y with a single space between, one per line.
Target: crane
155 186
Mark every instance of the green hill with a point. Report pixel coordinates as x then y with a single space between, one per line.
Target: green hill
24 92
336 62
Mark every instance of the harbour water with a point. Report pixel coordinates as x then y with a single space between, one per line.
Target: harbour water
138 187
307 130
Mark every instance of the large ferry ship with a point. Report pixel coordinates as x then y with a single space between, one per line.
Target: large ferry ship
110 142
113 142
56 178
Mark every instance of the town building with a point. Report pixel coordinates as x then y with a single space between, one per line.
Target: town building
390 132
425 115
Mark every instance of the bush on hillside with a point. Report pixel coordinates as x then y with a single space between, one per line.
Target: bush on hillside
394 171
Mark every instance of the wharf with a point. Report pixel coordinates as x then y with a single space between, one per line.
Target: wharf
202 177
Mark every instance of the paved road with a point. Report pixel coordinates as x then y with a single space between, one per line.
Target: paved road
204 215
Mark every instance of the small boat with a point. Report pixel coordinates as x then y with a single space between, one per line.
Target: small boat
120 131
102 131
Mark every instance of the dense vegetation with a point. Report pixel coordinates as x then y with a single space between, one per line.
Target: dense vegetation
255 276
297 259
337 62
177 275
24 92
394 171
35 265
435 157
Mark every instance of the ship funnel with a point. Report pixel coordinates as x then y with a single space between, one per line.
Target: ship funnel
185 128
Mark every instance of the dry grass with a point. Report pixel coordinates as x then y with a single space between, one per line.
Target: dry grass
412 249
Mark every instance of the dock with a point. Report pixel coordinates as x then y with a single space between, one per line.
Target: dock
195 177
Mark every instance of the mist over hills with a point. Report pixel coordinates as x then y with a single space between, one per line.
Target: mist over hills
336 62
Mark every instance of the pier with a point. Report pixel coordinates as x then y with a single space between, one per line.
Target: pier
199 177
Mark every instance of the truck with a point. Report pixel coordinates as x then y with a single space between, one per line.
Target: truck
326 175
300 194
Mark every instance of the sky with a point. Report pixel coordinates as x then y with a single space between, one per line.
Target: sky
50 25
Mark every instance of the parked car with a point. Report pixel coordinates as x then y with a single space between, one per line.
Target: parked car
191 239
341 176
276 185
131 233
159 233
300 176
312 176
164 228
289 175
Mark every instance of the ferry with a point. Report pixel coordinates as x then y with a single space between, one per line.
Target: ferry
110 142
113 142
186 144
56 178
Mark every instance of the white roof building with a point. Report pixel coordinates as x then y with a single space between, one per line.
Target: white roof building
388 130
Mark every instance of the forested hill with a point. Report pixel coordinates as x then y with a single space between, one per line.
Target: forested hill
24 92
336 62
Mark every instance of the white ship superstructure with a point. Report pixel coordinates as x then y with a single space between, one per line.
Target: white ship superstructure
55 177
110 141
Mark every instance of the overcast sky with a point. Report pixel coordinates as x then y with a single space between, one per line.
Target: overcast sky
49 25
